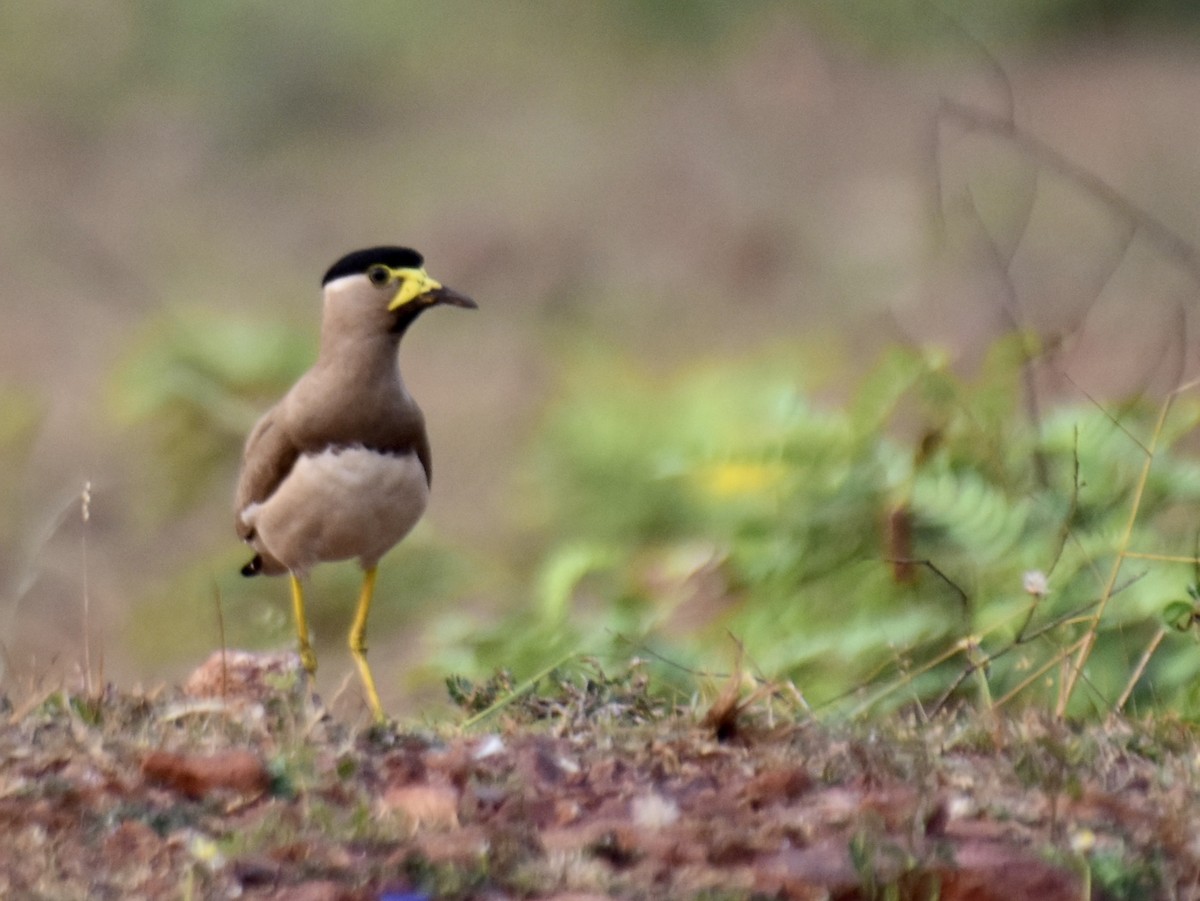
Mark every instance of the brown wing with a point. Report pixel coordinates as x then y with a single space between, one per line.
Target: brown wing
268 457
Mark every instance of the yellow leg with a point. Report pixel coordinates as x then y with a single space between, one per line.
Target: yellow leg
307 657
358 643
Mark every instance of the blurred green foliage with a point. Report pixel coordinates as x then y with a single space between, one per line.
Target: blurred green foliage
198 381
726 501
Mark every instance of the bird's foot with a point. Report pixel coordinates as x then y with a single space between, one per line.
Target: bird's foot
308 659
368 682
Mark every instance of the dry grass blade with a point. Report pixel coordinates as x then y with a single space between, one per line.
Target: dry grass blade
518 690
723 717
1075 669
1138 670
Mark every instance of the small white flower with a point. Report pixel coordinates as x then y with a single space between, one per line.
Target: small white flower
491 745
205 850
1035 583
653 811
1083 840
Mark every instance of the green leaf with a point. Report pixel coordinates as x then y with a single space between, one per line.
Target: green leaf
1179 615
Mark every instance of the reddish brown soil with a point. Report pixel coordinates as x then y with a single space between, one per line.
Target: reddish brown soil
590 789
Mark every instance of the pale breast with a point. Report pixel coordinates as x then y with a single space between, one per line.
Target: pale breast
340 504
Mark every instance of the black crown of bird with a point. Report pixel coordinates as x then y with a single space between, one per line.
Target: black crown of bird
340 467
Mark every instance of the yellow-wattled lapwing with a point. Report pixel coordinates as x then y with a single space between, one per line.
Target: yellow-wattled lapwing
339 469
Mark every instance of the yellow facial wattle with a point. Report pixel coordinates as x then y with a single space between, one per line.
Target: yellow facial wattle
413 283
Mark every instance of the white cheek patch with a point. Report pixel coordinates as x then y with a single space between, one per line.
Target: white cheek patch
345 283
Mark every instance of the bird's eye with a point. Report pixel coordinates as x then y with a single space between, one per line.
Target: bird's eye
379 275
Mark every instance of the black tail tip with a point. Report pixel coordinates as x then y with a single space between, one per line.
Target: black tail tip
254 567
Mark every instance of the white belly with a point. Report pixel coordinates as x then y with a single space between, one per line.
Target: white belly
338 505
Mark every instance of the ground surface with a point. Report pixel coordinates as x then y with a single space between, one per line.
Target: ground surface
240 785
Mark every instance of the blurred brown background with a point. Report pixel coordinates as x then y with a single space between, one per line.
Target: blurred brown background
672 182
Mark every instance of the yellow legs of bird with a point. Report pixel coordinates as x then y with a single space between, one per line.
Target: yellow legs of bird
307 657
358 643
358 638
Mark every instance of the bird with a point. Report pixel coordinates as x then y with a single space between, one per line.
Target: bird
340 467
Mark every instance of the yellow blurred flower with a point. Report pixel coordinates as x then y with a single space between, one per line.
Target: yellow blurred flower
739 478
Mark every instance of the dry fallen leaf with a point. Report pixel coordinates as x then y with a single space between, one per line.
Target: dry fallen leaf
424 805
198 775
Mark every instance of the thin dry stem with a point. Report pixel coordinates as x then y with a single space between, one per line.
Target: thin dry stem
1161 235
85 511
1139 669
1162 558
1122 553
1063 656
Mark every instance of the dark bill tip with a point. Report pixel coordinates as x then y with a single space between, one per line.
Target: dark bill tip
452 297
